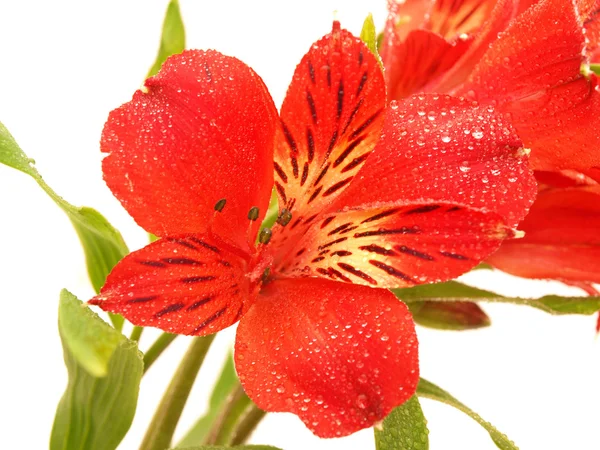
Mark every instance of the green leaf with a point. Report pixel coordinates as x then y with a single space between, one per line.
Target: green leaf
225 384
12 155
429 390
368 34
102 244
86 336
455 316
172 40
405 427
95 412
453 291
221 447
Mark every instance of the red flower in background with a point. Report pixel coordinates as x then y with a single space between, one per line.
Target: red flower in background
531 71
370 198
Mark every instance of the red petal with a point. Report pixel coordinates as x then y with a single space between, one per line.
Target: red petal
404 16
561 238
452 18
339 356
497 20
589 11
191 285
397 245
444 149
566 178
331 119
533 73
203 132
418 60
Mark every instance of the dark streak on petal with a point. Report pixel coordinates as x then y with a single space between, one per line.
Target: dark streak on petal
381 215
422 209
383 232
304 174
354 111
207 71
182 261
296 223
329 244
390 270
341 253
311 72
454 256
182 242
197 279
327 222
321 175
289 138
410 251
363 80
200 242
300 252
280 172
170 309
347 151
337 186
340 99
365 124
281 191
355 162
200 302
210 320
340 228
151 263
294 162
143 299
358 273
339 274
377 249
315 194
311 106
317 259
310 141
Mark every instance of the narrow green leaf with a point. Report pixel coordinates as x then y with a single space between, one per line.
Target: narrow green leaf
453 291
88 339
405 427
172 40
455 316
12 155
368 35
95 412
102 244
221 447
225 384
429 390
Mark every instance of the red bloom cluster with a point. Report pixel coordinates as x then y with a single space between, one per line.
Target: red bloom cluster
536 72
374 192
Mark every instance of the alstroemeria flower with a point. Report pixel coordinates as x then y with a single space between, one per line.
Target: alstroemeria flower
370 198
561 233
532 72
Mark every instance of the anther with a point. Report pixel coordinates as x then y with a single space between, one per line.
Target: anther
220 205
253 213
265 235
284 217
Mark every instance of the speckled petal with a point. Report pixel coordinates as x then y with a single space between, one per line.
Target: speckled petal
200 131
339 356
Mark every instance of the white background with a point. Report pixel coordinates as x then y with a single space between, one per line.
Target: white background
63 66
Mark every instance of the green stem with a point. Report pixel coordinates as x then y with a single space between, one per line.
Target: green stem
136 333
156 349
233 409
163 424
246 425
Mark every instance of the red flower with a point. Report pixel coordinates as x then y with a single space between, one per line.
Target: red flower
191 158
561 237
531 71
